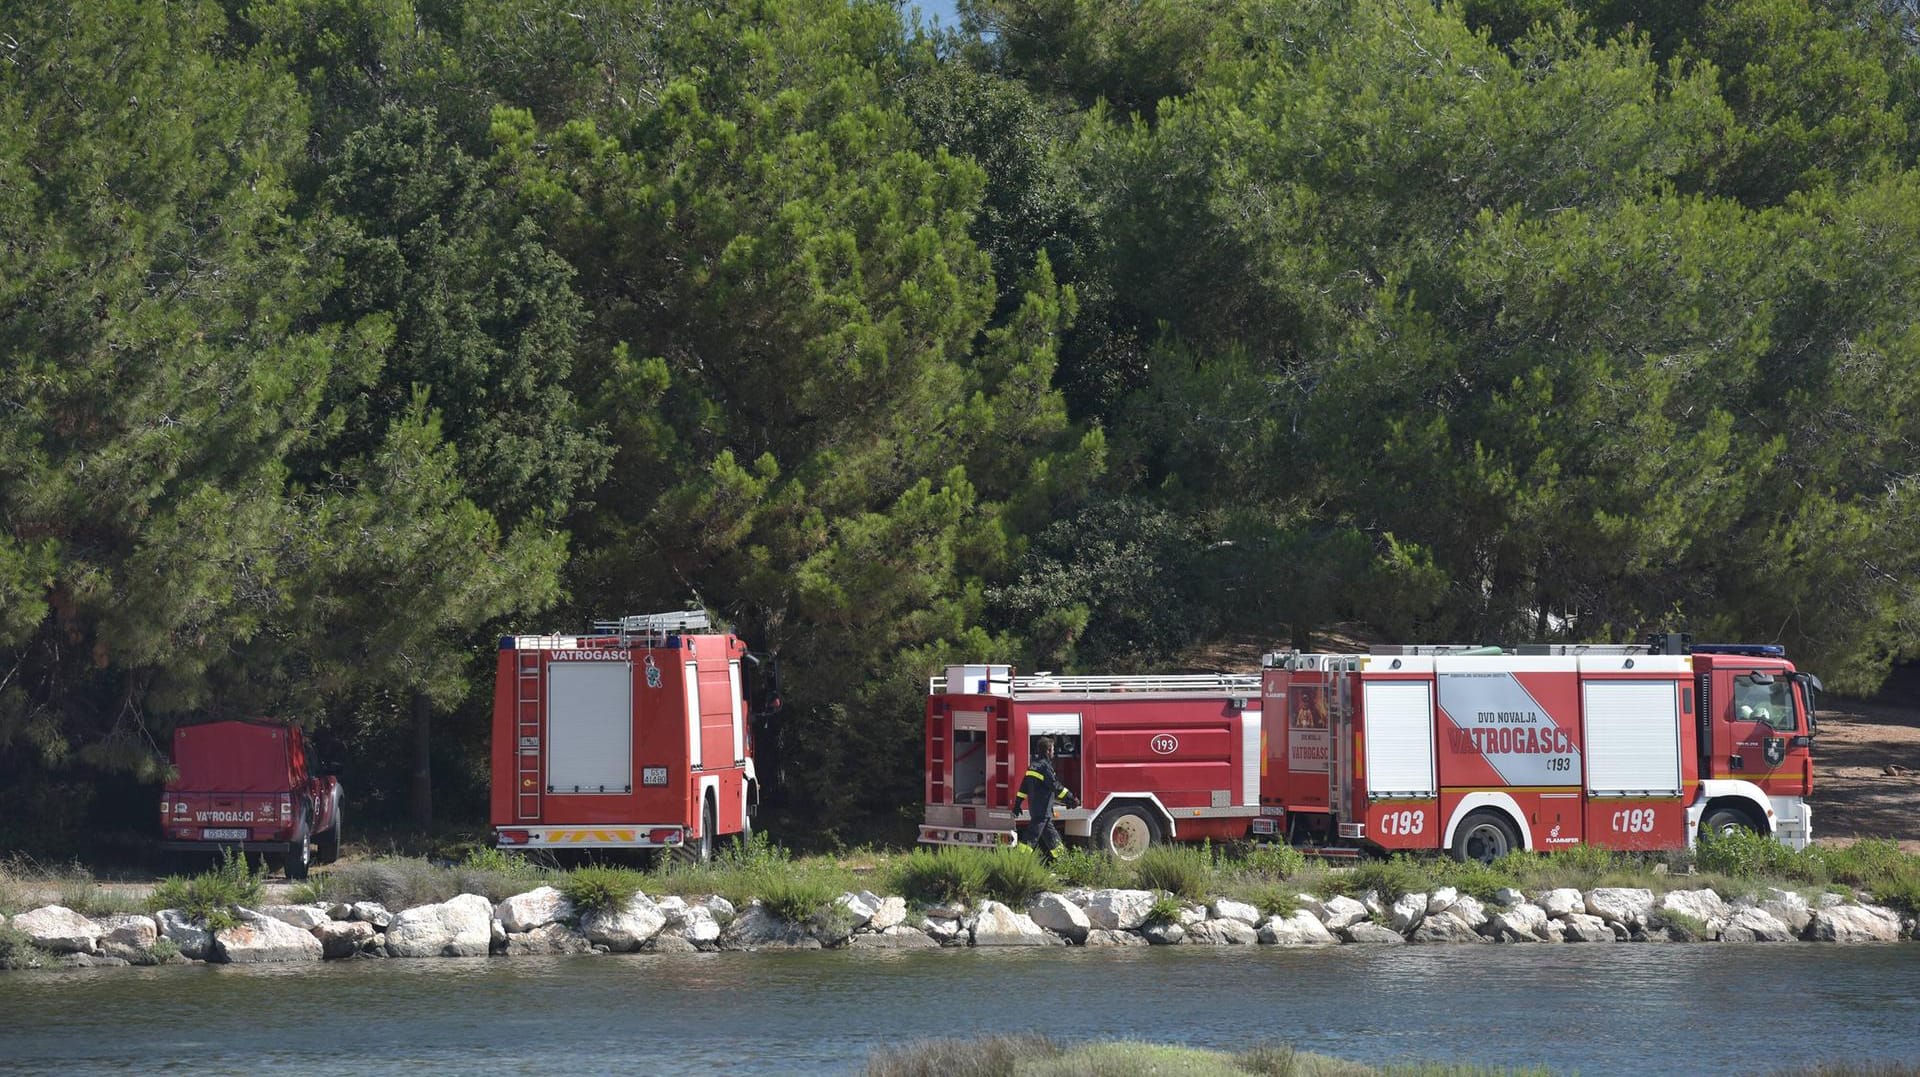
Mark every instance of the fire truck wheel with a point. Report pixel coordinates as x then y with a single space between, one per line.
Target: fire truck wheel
1723 821
701 851
1126 831
299 854
1484 836
329 841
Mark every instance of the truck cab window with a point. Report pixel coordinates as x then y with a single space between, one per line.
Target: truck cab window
1764 699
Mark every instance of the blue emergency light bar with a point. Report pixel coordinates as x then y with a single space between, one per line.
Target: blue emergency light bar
1747 650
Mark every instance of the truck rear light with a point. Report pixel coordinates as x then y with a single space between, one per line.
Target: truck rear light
665 835
513 837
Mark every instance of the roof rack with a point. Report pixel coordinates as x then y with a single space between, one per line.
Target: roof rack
1042 684
654 624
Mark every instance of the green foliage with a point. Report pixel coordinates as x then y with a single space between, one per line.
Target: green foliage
1078 866
1166 910
933 876
18 952
1473 877
1183 870
1269 861
208 898
1014 875
163 951
1680 926
600 889
796 898
1393 877
1743 854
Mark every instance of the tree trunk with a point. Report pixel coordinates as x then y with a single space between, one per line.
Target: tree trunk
422 760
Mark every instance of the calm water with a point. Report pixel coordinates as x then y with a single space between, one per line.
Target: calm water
1598 1010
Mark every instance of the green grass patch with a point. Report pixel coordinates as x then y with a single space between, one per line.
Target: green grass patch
1185 870
1090 868
601 889
937 876
795 898
18 952
1393 877
1166 910
209 897
1014 875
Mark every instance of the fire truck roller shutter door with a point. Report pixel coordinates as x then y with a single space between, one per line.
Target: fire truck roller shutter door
739 717
1399 734
1250 728
1633 737
589 727
692 674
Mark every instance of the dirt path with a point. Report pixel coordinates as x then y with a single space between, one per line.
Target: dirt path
1854 795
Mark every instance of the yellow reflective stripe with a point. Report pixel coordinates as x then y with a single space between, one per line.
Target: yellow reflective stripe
1061 795
1036 774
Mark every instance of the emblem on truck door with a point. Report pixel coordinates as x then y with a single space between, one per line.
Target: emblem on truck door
653 673
1165 744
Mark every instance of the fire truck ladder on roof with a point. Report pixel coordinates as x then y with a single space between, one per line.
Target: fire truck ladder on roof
1040 684
654 625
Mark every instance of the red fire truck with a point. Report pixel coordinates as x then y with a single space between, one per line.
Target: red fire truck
1479 751
1152 758
634 736
1473 750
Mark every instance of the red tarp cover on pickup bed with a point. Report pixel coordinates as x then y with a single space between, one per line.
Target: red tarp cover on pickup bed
232 757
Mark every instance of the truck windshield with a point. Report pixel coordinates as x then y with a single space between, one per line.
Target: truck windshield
1764 698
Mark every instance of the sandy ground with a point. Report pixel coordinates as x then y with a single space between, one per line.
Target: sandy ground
1853 793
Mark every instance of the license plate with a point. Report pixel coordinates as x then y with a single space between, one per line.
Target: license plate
1264 826
224 834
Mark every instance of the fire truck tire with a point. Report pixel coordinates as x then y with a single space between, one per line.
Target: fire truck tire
329 840
1126 831
1726 819
1485 836
700 851
299 854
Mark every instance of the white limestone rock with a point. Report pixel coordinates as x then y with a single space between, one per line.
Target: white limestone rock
1302 928
1628 906
1788 907
1165 934
195 942
1508 897
1854 923
1191 914
1229 909
1407 912
1562 903
1376 905
128 936
1061 916
995 924
896 937
1468 910
259 939
1340 913
1583 927
758 928
59 929
891 913
1101 936
1222 933
1453 926
304 917
860 906
554 938
1441 900
372 912
1119 910
698 926
522 913
1368 933
1703 905
720 907
460 927
1525 922
1755 924
343 938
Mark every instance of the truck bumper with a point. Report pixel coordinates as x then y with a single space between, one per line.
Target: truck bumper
212 847
621 836
980 837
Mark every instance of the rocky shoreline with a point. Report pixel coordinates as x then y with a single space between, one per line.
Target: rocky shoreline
543 921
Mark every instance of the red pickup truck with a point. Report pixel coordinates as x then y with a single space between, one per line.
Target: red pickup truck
252 786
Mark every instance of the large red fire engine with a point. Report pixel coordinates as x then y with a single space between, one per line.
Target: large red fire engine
635 736
1151 757
1479 751
1471 750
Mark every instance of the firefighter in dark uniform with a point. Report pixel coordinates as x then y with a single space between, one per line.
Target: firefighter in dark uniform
1039 791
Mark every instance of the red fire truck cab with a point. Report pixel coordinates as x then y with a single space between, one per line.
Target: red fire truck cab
1152 758
633 736
1479 751
252 786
